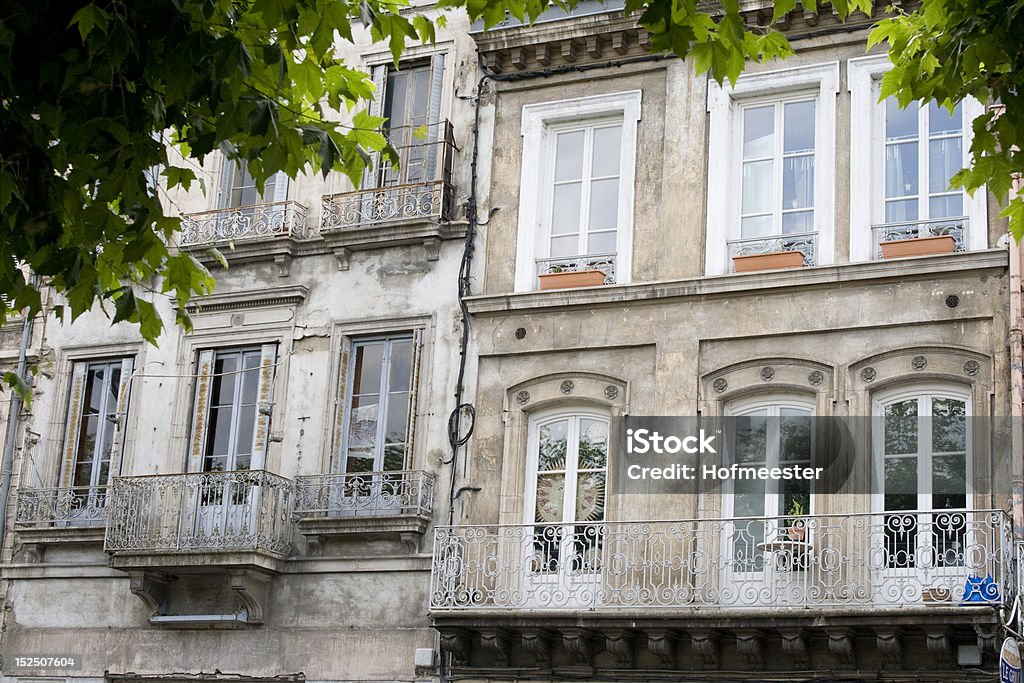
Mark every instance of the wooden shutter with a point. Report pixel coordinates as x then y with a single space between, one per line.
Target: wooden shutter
201 410
414 395
280 193
376 108
341 408
227 181
437 131
264 406
121 412
73 423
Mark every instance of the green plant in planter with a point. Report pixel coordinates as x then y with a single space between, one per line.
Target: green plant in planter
796 526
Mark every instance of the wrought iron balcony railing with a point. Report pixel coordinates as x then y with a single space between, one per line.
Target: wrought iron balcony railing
603 262
420 189
245 510
804 242
909 230
84 506
245 223
367 494
885 559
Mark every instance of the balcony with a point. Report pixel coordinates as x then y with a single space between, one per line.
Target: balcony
568 268
365 504
413 204
795 250
200 519
920 238
945 573
271 231
60 515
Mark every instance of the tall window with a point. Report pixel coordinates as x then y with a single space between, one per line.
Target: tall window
96 416
569 457
777 168
923 149
378 413
238 189
584 193
925 467
231 419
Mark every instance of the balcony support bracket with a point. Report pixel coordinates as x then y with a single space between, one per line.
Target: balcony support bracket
706 644
662 642
841 645
794 644
456 642
250 588
498 642
620 642
580 644
538 641
750 645
343 256
433 247
284 264
889 642
986 637
939 644
151 587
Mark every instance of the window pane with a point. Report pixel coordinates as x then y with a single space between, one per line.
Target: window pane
225 371
901 483
569 156
593 450
949 482
749 497
401 365
219 431
604 204
362 429
946 206
900 124
756 226
901 210
565 212
565 246
94 390
757 187
794 436
250 378
398 417
901 428
607 151
601 243
798 135
758 132
750 438
945 157
552 446
940 122
901 170
590 497
797 221
550 497
949 425
798 182
246 424
366 378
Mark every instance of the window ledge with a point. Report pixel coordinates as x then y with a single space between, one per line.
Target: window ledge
426 231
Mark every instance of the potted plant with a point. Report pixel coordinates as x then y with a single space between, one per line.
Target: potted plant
919 246
796 526
560 278
773 261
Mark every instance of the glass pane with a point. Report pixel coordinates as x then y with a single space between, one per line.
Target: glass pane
798 182
225 374
945 157
604 204
758 132
250 378
360 462
756 226
901 210
93 390
394 458
757 187
553 439
565 209
593 451
798 135
901 428
749 497
550 498
215 464
590 497
601 243
565 246
949 425
900 124
398 417
401 365
607 151
219 431
246 426
901 170
901 483
369 358
797 222
940 122
362 427
569 156
750 438
946 206
949 482
794 435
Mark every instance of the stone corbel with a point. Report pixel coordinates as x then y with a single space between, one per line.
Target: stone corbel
794 644
250 588
620 643
433 247
620 42
151 588
889 642
986 637
841 645
543 54
662 642
498 642
517 56
594 46
568 50
750 645
284 264
580 644
344 257
538 641
456 642
939 644
706 644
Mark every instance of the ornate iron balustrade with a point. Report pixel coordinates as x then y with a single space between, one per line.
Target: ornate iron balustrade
259 221
890 559
804 242
245 510
603 262
79 506
909 230
377 494
421 189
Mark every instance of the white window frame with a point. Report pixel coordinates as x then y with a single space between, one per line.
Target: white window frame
867 161
725 144
539 123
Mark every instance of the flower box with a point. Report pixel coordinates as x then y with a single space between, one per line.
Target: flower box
920 246
572 278
774 261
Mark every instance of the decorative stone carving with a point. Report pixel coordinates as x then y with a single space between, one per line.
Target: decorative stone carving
750 646
889 642
767 374
620 643
237 319
841 645
972 368
611 392
433 248
919 363
523 397
498 642
662 642
567 386
939 644
151 588
457 642
580 644
538 641
868 374
986 637
794 644
815 378
705 643
720 385
250 588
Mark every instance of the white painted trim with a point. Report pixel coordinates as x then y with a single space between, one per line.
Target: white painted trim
724 144
867 162
536 123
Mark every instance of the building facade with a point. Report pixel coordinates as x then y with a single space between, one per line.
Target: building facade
290 492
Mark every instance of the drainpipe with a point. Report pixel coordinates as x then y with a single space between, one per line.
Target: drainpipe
12 428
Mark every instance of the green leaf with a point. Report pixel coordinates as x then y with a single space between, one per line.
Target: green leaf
88 18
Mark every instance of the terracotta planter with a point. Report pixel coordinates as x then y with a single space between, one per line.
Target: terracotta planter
920 246
796 532
775 261
572 279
